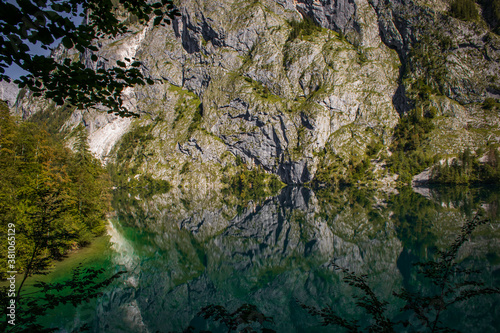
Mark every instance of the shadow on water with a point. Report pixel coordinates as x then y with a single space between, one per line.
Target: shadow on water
185 253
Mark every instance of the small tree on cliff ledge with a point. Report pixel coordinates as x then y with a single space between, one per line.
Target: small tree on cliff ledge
43 22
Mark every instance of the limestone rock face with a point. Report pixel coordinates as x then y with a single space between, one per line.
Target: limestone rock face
267 96
8 92
241 80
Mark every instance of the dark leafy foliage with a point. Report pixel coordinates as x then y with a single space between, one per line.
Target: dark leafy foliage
84 285
464 9
43 22
244 319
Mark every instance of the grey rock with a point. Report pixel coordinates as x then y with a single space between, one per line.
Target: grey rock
276 101
9 92
334 15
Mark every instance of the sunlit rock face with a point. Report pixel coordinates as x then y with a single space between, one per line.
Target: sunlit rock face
243 80
264 96
106 136
261 93
8 92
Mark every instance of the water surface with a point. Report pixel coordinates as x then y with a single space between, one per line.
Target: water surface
182 254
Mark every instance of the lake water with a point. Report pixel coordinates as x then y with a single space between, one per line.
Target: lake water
182 255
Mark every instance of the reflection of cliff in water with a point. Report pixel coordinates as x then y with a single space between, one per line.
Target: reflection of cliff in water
191 253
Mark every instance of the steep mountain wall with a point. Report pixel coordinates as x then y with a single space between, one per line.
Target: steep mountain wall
277 84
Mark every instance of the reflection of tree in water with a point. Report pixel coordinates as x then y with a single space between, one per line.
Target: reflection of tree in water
84 285
413 216
272 253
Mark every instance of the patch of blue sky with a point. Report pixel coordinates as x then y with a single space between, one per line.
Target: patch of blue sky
14 71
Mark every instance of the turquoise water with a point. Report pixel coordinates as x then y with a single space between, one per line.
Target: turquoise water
183 254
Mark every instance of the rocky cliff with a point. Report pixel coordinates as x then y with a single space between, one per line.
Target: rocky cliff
8 92
278 84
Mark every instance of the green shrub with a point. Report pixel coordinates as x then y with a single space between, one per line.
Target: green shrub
302 29
464 10
196 121
130 155
412 130
334 171
185 168
427 69
466 169
490 104
331 170
373 148
132 144
408 158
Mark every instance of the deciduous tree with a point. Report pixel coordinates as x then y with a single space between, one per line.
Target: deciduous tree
24 23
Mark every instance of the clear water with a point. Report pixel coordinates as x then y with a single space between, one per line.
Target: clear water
182 255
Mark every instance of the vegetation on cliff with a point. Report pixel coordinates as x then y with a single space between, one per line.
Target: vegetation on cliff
408 157
129 156
333 170
464 10
467 169
491 13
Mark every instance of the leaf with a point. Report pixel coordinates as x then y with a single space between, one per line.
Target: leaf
67 42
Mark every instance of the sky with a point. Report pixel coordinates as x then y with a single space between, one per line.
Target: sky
14 71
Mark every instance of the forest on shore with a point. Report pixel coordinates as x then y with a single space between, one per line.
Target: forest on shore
56 198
